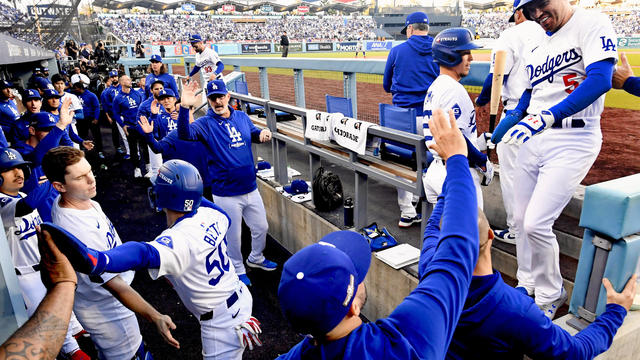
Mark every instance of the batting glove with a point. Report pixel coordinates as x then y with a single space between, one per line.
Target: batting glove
487 173
85 260
529 126
484 142
509 121
248 333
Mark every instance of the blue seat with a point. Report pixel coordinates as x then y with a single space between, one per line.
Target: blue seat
399 119
242 88
337 104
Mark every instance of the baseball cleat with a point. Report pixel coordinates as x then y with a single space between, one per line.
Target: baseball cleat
505 236
245 279
406 221
137 173
266 265
551 308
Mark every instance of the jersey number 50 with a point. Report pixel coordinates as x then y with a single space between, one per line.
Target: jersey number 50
219 262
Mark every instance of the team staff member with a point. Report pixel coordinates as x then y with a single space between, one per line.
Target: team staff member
158 71
515 41
623 77
91 111
500 322
228 135
284 44
51 105
452 52
32 101
192 255
561 136
103 305
164 113
60 85
409 72
155 159
125 112
321 291
106 100
9 113
207 60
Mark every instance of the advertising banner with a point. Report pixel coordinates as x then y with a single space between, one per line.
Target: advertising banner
293 47
629 42
303 9
379 45
266 8
319 46
347 46
255 48
228 8
50 11
188 7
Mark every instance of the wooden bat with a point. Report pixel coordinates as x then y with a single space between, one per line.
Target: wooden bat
496 89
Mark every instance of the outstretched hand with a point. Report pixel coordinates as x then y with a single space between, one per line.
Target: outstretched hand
448 138
155 107
624 298
622 73
188 96
145 125
56 268
164 325
66 114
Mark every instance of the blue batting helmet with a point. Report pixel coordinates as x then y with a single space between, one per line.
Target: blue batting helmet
11 159
448 44
178 187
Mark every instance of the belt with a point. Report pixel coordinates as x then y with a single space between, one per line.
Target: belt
230 301
574 124
26 269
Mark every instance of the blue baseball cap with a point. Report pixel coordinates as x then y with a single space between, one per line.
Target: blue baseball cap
195 38
31 94
319 282
417 17
216 87
51 93
165 93
516 6
43 121
155 57
4 84
113 73
297 187
42 83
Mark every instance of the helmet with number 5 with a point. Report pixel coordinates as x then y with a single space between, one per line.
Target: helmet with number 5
448 44
178 187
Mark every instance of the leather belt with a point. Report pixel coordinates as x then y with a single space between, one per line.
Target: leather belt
230 301
35 268
575 124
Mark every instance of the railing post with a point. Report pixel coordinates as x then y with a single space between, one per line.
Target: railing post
264 82
351 91
278 149
360 211
298 87
236 67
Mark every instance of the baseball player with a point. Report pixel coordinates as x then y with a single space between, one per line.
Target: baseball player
360 46
228 135
192 255
51 105
125 112
165 120
60 85
623 77
32 102
207 60
500 322
20 217
106 100
103 302
9 113
569 73
158 71
155 159
452 52
408 73
91 111
321 290
515 41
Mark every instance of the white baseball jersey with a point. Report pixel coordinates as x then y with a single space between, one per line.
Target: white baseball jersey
21 232
113 328
516 41
558 65
207 61
446 93
193 257
76 104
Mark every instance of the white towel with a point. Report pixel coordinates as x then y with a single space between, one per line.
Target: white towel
318 125
351 133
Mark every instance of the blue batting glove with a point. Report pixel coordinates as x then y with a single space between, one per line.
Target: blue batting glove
528 127
512 118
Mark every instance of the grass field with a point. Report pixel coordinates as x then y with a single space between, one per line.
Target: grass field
615 98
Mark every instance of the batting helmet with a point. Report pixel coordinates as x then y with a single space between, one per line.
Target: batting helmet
178 187
448 44
11 159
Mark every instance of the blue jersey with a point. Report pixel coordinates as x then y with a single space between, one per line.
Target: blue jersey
107 97
145 108
8 114
228 142
125 107
163 124
632 85
422 326
90 105
167 79
500 322
69 136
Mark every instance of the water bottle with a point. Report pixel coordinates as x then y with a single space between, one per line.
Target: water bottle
348 212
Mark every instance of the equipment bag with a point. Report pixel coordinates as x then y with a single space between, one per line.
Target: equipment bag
327 190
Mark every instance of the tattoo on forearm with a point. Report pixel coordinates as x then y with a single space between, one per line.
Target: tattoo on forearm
40 338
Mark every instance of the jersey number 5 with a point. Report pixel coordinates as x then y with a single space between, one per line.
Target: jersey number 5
219 263
570 83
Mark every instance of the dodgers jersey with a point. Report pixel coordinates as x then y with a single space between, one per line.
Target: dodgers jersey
558 65
8 114
193 257
446 93
20 231
206 61
515 41
76 104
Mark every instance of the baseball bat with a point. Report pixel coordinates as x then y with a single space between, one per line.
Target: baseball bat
496 89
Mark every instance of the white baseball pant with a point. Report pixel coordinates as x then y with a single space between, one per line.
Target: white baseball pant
433 179
508 156
155 161
551 166
405 197
219 338
123 138
250 208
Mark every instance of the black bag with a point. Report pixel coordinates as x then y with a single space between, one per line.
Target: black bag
327 190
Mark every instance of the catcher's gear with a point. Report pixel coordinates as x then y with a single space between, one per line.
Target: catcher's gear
529 126
448 44
10 159
85 260
178 187
509 121
487 173
248 333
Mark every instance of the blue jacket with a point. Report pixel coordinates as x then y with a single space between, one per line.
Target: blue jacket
229 145
632 85
107 97
90 105
145 108
125 107
167 79
8 115
422 326
500 322
409 72
163 124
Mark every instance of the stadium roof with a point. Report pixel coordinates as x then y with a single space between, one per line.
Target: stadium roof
241 6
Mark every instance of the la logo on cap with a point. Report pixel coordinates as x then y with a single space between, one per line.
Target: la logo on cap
10 155
214 86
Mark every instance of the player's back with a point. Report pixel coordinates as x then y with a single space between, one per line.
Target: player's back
448 94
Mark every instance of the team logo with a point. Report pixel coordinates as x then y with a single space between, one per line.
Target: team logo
456 111
165 178
343 121
4 201
357 125
552 65
188 205
10 155
235 136
607 44
350 290
166 241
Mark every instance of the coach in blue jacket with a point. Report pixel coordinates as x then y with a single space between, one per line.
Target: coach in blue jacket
228 135
409 72
500 322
